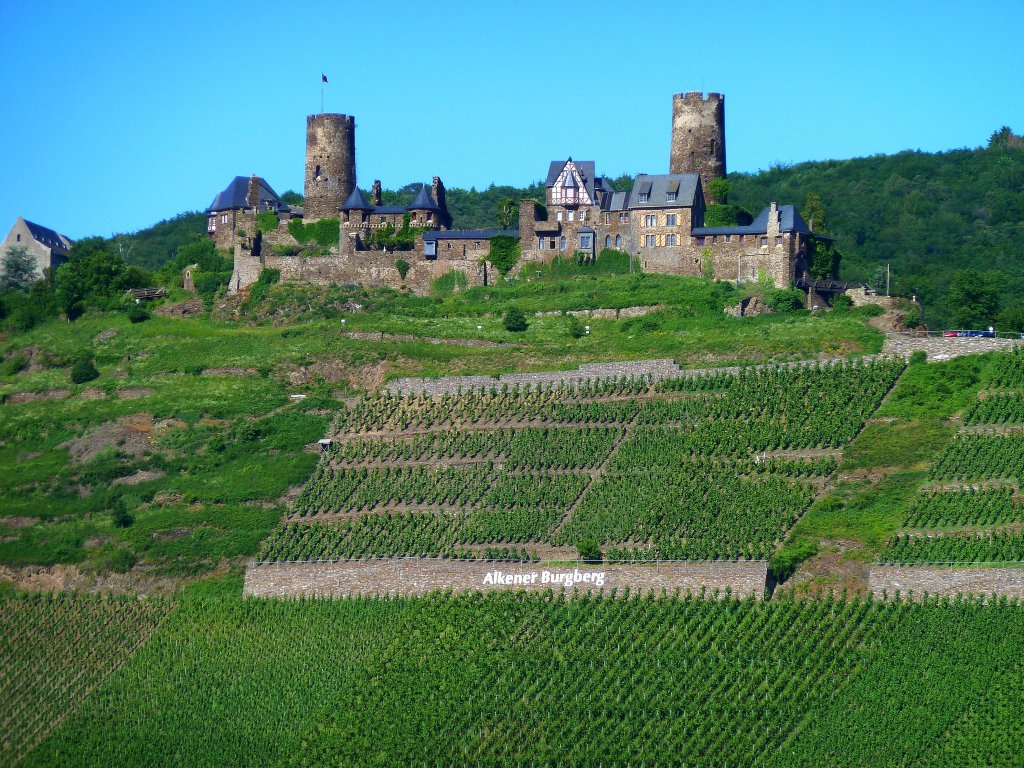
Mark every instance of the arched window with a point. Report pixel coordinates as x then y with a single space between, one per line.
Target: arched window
607 241
561 244
618 241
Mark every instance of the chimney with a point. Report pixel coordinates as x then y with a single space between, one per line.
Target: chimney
253 198
375 193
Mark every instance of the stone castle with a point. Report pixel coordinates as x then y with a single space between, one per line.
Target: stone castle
659 222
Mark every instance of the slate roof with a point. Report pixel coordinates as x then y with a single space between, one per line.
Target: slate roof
467 234
423 201
790 220
235 194
616 201
48 237
356 201
585 168
656 187
390 209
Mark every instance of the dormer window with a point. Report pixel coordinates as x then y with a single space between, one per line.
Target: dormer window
670 197
644 197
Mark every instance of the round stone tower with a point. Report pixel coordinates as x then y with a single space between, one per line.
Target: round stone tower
330 164
698 136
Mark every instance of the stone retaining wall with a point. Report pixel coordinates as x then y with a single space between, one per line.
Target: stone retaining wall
941 348
946 580
656 369
417 577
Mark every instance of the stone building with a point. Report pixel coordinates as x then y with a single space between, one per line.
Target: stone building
48 247
232 210
660 221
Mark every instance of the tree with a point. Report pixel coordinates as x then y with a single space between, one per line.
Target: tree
507 213
504 253
814 213
19 269
589 551
973 299
515 320
718 190
403 268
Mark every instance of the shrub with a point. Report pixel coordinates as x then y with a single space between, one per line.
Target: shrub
122 517
504 253
269 276
450 282
912 317
726 216
589 551
515 320
326 232
267 221
786 300
842 302
919 357
138 313
84 370
784 563
13 364
575 327
403 268
120 561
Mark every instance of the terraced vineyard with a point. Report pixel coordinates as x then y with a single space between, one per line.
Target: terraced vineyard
973 514
518 679
711 466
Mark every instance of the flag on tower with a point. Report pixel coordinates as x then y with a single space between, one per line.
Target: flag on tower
323 77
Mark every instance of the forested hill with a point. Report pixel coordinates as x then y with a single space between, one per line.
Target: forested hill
928 215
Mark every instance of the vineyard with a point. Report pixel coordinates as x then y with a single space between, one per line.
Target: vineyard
973 513
54 651
712 466
520 679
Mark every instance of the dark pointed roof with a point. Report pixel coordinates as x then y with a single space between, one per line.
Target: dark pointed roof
236 193
423 201
356 201
48 237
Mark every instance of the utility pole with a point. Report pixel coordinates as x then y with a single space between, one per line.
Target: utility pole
887 275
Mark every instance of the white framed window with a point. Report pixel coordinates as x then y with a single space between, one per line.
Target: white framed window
572 215
559 215
670 197
670 239
585 243
651 220
561 244
623 217
224 219
540 243
607 218
650 240
670 219
583 215
644 196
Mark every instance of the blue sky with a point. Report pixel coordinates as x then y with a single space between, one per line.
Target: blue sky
117 115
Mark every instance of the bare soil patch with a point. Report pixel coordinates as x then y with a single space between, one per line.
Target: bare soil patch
28 397
92 393
189 308
130 393
142 476
130 434
230 372
19 522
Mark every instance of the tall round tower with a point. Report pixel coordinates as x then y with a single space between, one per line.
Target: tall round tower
698 136
330 163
